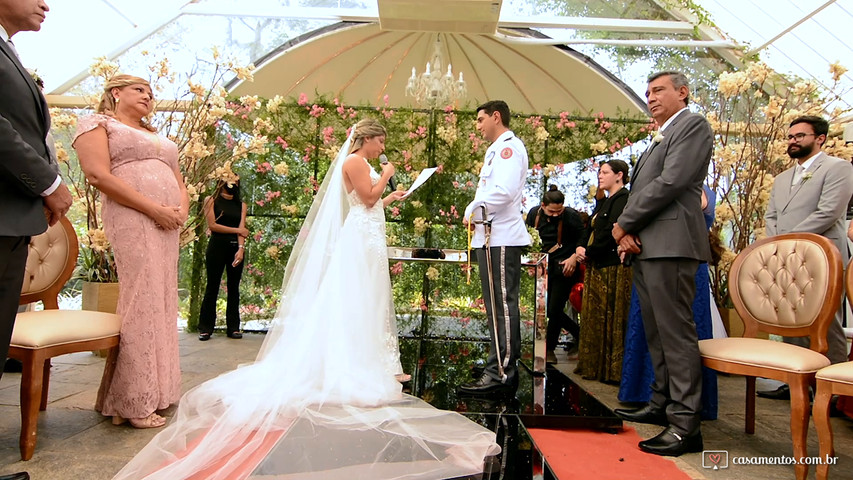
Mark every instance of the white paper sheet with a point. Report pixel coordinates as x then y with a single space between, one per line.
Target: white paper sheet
425 174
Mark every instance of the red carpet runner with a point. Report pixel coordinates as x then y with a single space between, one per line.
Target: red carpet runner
588 455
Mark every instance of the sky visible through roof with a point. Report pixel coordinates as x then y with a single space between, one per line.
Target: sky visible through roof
76 31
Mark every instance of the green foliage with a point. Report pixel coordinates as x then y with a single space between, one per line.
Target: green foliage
279 181
96 266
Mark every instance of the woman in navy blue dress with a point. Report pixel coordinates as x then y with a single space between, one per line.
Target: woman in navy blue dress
637 374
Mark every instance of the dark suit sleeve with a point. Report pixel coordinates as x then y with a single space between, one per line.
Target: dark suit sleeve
684 159
20 164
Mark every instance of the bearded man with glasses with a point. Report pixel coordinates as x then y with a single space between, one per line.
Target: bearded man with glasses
812 196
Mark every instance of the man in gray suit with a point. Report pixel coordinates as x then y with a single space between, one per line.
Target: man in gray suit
31 192
663 229
812 196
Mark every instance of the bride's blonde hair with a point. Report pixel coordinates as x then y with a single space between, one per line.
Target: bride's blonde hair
108 106
367 128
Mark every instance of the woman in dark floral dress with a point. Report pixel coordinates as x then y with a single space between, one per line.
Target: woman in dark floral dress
607 283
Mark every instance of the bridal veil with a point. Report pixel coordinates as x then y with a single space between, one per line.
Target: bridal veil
317 402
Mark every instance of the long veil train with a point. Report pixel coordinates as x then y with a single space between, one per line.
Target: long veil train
319 401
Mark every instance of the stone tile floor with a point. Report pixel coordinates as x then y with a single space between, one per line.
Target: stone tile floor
772 436
75 442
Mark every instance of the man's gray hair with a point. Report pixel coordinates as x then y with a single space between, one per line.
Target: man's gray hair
678 80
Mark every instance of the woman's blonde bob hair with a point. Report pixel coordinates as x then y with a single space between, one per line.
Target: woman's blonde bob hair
365 129
107 105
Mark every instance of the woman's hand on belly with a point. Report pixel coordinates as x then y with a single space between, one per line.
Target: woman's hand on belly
167 217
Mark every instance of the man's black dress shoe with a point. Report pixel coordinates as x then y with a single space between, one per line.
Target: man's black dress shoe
781 393
487 385
673 444
643 415
16 476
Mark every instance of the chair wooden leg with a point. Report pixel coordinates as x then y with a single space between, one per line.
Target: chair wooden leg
820 413
800 423
45 386
749 414
31 390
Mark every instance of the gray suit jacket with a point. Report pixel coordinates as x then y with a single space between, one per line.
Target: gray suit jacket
25 167
817 204
665 205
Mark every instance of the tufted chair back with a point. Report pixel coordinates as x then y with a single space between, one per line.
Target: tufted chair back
50 263
781 284
41 335
786 285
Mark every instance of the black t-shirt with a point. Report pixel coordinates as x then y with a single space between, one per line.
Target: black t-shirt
227 213
548 230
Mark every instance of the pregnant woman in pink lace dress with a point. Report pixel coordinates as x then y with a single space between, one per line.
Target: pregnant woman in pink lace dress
144 208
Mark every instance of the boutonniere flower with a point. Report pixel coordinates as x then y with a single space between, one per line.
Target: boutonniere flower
36 78
806 176
658 138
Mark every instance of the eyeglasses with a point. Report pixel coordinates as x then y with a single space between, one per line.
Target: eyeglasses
800 136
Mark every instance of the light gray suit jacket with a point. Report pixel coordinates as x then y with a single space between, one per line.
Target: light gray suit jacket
817 204
25 166
665 205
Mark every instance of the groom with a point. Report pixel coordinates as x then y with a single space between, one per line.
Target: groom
499 235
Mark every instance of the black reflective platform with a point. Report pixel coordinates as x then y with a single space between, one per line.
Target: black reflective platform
439 367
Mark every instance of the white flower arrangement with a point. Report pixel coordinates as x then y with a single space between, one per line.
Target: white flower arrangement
806 176
658 138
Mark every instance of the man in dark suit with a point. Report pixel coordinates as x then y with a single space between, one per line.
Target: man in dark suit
31 192
663 229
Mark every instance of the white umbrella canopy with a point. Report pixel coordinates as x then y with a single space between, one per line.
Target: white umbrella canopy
361 63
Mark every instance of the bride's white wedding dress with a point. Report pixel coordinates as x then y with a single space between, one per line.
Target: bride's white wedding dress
321 401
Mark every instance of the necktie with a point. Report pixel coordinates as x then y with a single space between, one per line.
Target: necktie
798 174
12 47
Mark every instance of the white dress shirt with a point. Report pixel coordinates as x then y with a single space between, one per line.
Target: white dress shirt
670 119
801 168
500 191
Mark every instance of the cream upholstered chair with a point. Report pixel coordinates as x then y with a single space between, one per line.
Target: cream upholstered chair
833 380
785 285
42 335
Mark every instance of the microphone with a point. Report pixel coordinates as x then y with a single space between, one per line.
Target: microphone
383 159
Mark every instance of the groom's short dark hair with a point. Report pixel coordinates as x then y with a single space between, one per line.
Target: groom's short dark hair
499 106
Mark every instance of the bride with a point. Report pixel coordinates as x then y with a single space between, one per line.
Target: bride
322 399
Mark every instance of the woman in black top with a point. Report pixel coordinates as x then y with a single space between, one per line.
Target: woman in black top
607 282
560 229
226 219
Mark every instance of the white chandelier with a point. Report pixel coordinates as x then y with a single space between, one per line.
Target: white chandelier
430 88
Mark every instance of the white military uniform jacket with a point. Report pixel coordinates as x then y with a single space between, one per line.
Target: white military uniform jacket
500 190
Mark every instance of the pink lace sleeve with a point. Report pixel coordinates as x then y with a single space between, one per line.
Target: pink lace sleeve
89 123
